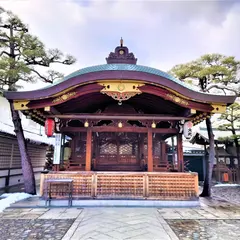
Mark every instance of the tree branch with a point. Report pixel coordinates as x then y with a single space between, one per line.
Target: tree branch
4 52
41 76
223 88
34 62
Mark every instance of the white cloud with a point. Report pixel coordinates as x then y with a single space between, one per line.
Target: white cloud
160 33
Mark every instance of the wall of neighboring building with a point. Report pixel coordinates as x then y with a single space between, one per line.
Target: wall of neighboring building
193 162
10 161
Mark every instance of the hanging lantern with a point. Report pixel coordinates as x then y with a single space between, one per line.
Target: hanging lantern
187 129
120 125
49 127
86 124
153 125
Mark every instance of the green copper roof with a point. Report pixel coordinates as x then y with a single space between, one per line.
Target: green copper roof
123 67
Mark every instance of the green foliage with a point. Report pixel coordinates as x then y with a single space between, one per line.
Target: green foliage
211 71
215 71
232 119
21 54
229 138
232 114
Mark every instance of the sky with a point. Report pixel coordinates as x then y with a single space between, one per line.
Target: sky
161 34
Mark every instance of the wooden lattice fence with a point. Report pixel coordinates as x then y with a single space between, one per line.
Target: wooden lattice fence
129 185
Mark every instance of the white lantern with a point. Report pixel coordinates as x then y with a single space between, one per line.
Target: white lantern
187 129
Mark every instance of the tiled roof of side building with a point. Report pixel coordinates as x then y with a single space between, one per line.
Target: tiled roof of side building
32 137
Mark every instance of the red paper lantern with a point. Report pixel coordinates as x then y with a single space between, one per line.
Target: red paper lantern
49 127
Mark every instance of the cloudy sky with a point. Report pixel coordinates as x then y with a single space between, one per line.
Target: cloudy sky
159 33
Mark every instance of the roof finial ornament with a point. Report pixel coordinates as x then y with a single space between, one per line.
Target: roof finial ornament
121 55
121 42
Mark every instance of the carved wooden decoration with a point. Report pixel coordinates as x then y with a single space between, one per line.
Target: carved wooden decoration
177 99
64 97
121 91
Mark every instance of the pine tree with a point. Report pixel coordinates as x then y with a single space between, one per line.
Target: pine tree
210 72
21 56
232 123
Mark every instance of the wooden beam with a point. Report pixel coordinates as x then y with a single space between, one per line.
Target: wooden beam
88 150
150 151
180 153
86 116
51 101
117 129
167 95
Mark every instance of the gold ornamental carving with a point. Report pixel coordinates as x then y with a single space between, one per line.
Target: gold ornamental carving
21 105
64 97
121 91
217 108
177 99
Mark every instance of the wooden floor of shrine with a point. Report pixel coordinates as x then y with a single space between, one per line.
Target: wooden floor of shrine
121 164
121 168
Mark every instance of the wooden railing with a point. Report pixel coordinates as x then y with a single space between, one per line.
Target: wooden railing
129 185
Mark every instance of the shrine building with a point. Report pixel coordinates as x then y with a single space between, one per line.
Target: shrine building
111 123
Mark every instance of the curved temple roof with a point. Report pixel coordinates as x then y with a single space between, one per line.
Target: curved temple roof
121 66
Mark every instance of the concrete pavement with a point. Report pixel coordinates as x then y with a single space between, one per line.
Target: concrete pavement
212 220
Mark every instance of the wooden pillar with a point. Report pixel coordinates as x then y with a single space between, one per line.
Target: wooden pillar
180 153
94 147
88 150
97 147
163 153
150 151
140 151
141 147
173 154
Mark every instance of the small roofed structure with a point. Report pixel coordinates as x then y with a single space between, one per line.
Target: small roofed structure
118 116
220 136
232 151
226 161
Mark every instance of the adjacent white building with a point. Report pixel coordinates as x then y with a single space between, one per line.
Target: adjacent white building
10 161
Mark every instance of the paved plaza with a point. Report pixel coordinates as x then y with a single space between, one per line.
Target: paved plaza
213 220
